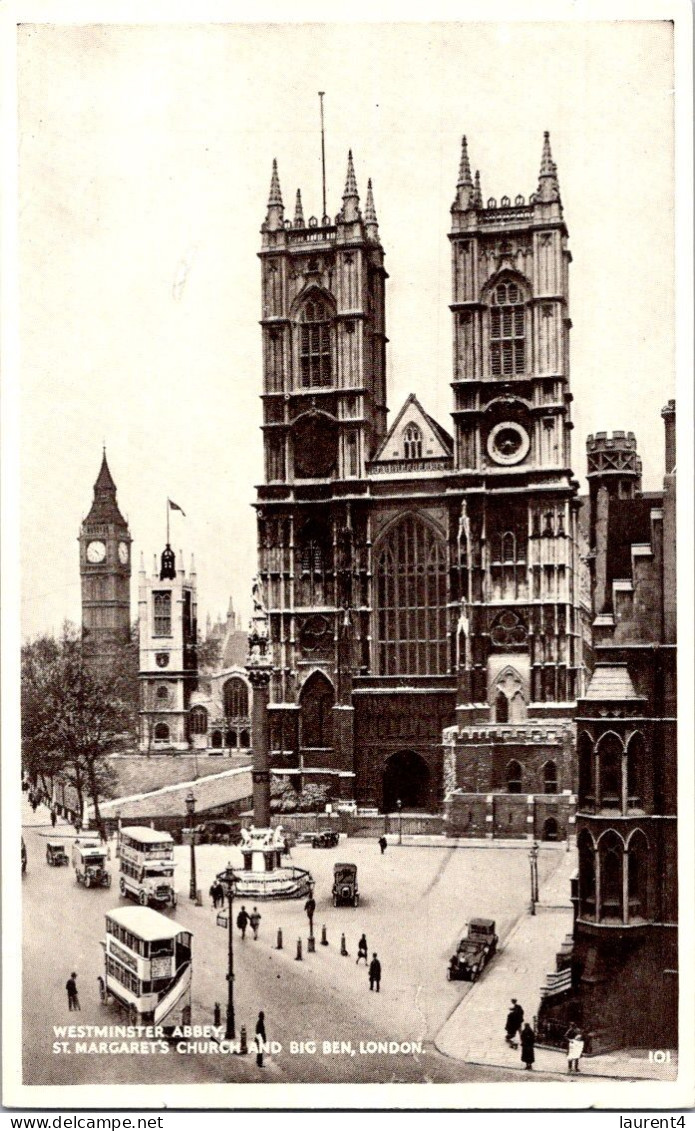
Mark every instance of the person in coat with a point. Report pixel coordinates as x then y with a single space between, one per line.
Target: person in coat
73 996
515 1019
374 973
260 1038
242 921
362 950
54 818
528 1041
382 844
255 921
575 1047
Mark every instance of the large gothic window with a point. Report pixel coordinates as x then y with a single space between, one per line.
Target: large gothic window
236 698
507 331
315 348
162 612
585 758
514 777
411 612
637 863
611 863
610 771
635 772
316 706
199 720
587 875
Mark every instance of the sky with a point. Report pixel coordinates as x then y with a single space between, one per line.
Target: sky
145 157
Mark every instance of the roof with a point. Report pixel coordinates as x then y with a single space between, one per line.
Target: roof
442 436
611 681
146 923
147 835
104 508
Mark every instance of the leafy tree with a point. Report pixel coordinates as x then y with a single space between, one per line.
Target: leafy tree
73 717
208 653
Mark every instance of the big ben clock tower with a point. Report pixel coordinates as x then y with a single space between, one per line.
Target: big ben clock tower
105 573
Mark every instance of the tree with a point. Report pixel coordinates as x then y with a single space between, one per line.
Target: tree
72 717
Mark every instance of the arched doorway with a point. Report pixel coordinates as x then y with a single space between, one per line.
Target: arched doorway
406 779
550 829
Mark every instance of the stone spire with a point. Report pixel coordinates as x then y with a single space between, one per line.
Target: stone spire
370 220
298 211
477 195
276 212
351 201
548 186
104 508
464 186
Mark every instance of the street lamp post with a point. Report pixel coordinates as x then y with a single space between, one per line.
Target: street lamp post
228 880
399 806
190 809
533 862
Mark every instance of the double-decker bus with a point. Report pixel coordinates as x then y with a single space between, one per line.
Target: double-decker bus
147 865
149 965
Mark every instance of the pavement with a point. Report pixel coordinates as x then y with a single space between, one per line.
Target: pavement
474 1032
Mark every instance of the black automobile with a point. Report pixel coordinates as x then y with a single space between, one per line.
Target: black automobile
326 839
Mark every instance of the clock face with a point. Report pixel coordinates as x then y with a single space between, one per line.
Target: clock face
123 553
96 552
508 443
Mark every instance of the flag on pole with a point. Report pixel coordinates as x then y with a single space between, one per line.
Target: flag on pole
176 507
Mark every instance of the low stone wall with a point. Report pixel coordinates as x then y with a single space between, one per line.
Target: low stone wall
510 816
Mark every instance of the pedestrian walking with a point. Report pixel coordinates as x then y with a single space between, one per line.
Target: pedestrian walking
362 950
260 1038
515 1019
575 1047
242 921
528 1041
73 996
310 907
54 817
286 848
102 989
213 894
255 921
374 973
382 844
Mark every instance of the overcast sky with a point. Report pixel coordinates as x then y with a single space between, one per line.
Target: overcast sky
145 160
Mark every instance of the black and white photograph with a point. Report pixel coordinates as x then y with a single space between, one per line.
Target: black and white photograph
344 391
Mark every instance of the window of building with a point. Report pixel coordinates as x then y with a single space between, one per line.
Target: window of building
316 712
412 442
635 772
161 732
315 346
351 462
611 862
236 698
162 612
514 777
162 694
637 863
199 720
610 752
550 777
312 549
244 740
507 331
585 758
411 635
501 708
276 459
587 875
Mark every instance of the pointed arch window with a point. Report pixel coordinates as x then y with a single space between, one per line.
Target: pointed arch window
315 344
412 442
610 772
236 698
199 720
587 875
635 772
611 861
585 758
514 777
411 635
637 864
550 777
316 712
507 331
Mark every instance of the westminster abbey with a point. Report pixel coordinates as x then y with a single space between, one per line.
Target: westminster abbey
427 597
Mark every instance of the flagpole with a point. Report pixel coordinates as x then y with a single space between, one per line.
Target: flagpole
168 508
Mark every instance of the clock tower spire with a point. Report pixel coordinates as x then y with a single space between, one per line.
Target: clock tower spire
105 574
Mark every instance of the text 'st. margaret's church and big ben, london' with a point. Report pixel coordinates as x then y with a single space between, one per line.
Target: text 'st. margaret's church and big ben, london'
453 629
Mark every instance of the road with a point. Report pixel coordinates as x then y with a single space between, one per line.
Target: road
414 903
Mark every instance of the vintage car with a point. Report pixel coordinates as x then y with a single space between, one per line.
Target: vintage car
217 832
89 862
474 952
56 855
328 838
345 885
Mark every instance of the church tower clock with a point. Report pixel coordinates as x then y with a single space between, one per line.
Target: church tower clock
105 574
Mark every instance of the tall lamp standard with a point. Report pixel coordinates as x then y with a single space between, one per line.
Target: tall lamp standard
399 806
228 881
533 862
190 809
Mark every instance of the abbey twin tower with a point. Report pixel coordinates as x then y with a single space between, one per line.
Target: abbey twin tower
427 596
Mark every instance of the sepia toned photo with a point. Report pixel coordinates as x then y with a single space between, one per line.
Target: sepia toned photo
344 739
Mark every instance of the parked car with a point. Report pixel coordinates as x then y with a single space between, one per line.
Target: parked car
326 839
56 854
474 951
218 832
345 885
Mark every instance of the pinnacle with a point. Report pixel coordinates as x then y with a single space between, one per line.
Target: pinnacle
104 479
464 180
298 211
547 169
369 209
548 186
275 197
350 180
478 195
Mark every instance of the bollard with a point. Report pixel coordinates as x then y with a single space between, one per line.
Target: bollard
243 1047
279 946
217 1015
299 951
343 948
324 938
311 945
